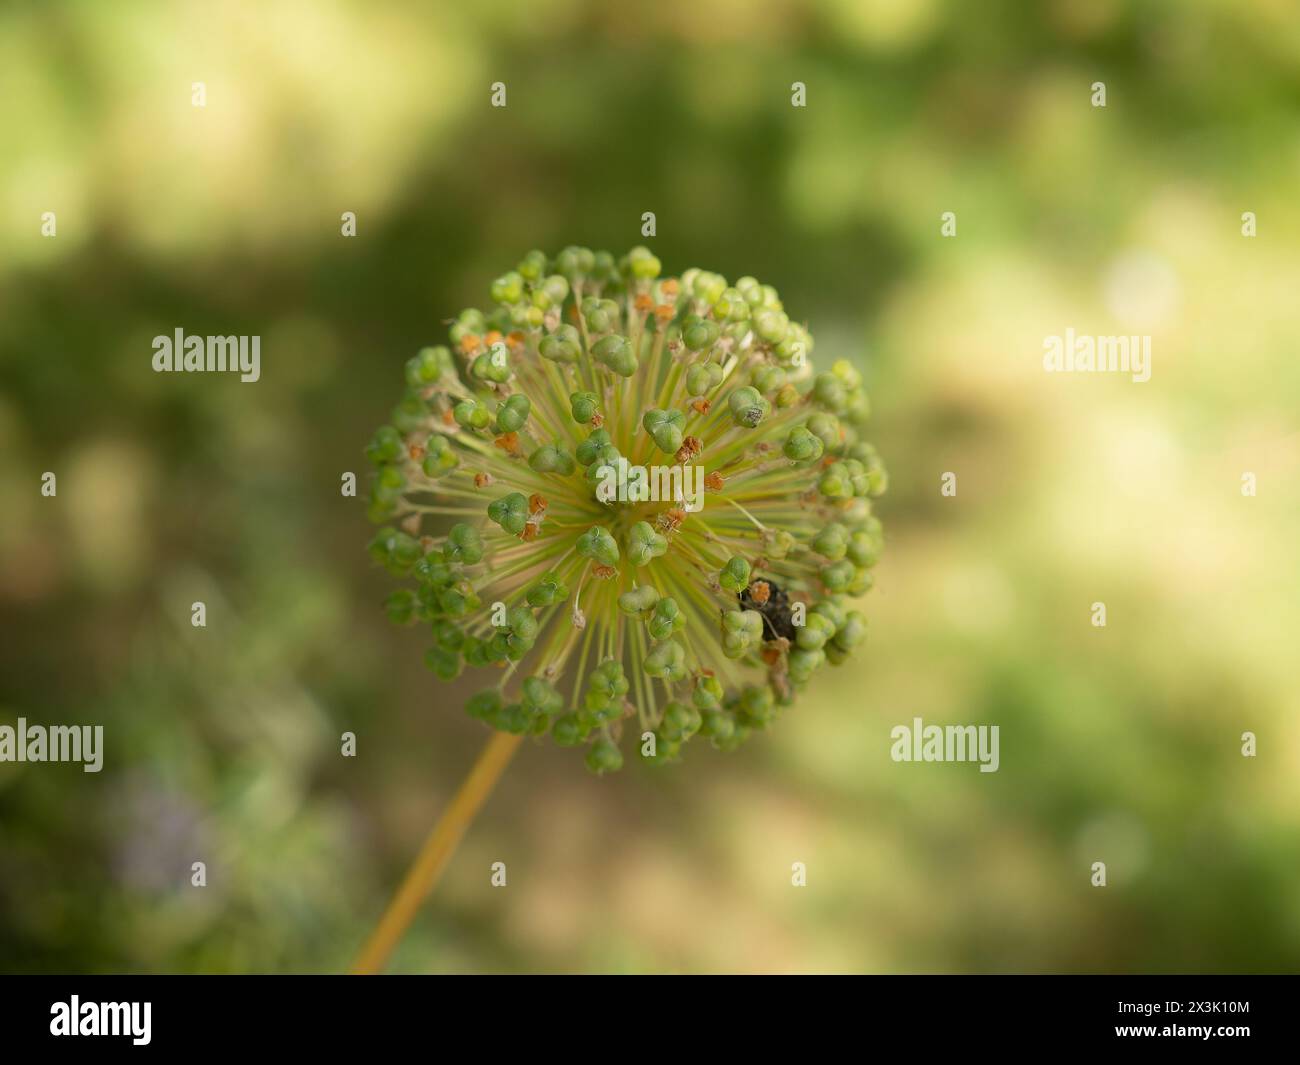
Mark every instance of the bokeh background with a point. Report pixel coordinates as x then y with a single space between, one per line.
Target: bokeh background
1119 744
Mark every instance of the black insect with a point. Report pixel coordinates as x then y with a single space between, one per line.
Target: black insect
770 600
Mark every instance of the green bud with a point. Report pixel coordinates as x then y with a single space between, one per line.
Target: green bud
492 365
395 550
815 631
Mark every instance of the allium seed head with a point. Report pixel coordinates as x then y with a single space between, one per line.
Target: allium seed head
646 511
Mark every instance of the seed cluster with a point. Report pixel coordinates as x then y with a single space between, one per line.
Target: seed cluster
692 620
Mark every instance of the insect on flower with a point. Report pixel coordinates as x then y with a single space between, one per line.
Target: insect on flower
594 616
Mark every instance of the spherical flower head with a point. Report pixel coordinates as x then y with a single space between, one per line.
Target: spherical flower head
630 503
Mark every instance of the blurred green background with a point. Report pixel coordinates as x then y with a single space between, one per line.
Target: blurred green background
1119 744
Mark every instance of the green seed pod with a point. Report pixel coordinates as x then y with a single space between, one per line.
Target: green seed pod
549 458
411 415
567 731
463 544
400 606
803 662
802 446
734 576
385 446
771 325
508 288
644 544
583 406
564 345
699 334
769 378
616 353
756 707
588 451
638 600
814 633
703 378
707 693
471 414
832 541
680 722
513 413
742 631
666 619
510 512
446 665
748 407
667 661
484 704
532 266
603 757
492 365
395 550
439 456
837 575
666 427
826 427
548 591
601 316
599 545
643 264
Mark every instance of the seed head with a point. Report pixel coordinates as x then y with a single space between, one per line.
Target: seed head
644 506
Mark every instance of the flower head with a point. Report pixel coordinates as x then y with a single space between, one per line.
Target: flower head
629 500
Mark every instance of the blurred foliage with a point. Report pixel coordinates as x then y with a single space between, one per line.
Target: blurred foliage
1119 744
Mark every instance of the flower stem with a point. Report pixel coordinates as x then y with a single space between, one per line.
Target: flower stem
436 852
